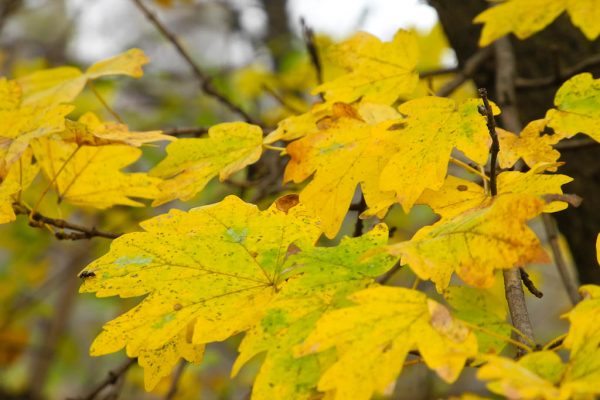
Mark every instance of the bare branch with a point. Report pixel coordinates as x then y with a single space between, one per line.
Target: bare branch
529 284
470 68
194 132
111 379
561 265
311 47
558 78
205 81
175 380
80 232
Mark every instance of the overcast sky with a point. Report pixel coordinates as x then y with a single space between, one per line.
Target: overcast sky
100 30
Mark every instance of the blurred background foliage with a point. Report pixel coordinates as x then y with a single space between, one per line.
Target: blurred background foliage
256 55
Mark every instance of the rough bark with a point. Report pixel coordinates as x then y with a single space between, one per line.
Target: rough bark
557 47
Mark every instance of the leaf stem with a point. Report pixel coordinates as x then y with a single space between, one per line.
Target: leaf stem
488 332
275 148
103 102
472 170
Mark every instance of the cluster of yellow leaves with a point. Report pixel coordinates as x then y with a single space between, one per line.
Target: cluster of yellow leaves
526 17
201 269
82 160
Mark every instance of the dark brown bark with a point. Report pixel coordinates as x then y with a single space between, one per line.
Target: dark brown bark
556 48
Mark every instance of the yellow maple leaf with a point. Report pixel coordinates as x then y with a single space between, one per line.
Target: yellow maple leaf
433 127
476 242
526 17
348 151
90 175
374 337
63 84
202 267
531 145
377 72
19 177
328 275
191 163
20 124
458 195
532 377
577 109
89 130
543 375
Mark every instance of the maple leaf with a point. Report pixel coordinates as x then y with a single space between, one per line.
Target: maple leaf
481 308
458 195
475 243
89 130
321 281
526 17
531 145
543 375
20 124
19 177
532 377
432 128
191 163
348 151
374 337
63 84
203 267
90 175
577 109
377 72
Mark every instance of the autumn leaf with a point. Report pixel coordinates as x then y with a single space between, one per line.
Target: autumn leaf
19 177
480 307
476 242
202 267
526 17
531 145
374 337
63 84
577 109
543 375
20 124
348 151
191 163
532 377
432 128
90 130
458 195
378 72
323 278
91 176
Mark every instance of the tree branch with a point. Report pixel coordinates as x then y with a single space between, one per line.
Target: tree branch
38 220
111 378
205 81
561 265
470 68
559 77
505 75
175 380
194 132
311 47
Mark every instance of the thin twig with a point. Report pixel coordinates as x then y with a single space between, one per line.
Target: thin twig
557 78
311 47
194 132
359 225
175 380
438 72
529 284
281 100
561 265
111 378
495 147
470 68
506 96
205 81
104 102
383 279
80 232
